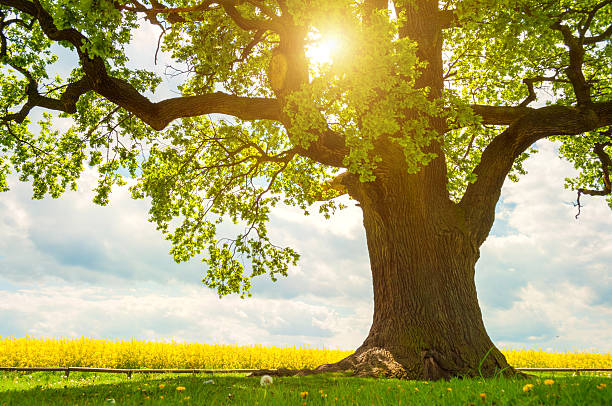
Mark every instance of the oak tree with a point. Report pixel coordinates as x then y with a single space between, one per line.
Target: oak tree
419 116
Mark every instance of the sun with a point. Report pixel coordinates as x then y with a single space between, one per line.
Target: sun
322 50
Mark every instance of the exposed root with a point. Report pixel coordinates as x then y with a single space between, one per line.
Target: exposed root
379 362
372 362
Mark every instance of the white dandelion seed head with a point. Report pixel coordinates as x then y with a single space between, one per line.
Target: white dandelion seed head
265 380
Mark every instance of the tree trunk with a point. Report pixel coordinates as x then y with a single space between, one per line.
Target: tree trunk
427 322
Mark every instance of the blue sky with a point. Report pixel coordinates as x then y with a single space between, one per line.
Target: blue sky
69 268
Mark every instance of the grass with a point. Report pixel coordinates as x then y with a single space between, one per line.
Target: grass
52 388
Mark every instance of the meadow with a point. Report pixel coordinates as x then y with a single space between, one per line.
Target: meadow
54 388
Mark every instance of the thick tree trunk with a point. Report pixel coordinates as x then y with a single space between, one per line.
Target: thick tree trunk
427 322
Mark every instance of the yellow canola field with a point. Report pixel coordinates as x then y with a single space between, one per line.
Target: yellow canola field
99 353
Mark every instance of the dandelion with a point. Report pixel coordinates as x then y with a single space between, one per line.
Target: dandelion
110 401
527 387
303 395
180 388
265 380
483 396
601 386
162 385
449 389
187 398
549 382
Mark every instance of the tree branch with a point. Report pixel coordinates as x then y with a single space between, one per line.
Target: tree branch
598 38
606 166
500 115
66 102
157 115
497 159
173 14
574 72
447 19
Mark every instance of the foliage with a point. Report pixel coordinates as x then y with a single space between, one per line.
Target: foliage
382 95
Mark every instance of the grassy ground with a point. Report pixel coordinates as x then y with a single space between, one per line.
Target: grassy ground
52 388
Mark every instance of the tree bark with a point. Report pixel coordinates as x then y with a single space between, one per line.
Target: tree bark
427 322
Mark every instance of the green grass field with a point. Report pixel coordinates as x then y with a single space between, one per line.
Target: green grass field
52 388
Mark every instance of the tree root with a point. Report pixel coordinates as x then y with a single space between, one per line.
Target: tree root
372 362
378 362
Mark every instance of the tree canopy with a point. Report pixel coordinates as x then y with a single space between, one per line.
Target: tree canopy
469 83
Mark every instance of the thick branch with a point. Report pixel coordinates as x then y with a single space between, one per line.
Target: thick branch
66 102
497 159
574 70
159 115
447 19
500 115
174 14
329 149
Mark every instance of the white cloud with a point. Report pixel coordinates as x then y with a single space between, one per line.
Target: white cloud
562 318
174 312
550 275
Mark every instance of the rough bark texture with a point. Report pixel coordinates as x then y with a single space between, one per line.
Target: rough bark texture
427 322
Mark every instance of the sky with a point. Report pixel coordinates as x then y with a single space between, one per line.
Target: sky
69 268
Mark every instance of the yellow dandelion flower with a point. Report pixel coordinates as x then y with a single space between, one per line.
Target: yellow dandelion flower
187 398
162 385
180 388
603 385
549 382
303 395
483 396
449 389
527 387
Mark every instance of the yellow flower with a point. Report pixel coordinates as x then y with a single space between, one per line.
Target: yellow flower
549 382
180 388
527 387
603 385
187 398
449 389
162 385
483 396
303 395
